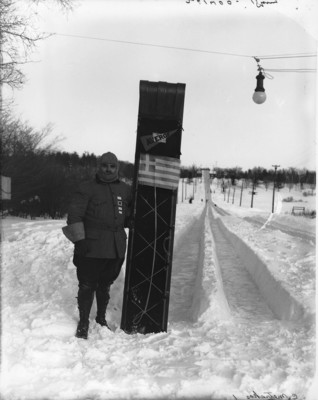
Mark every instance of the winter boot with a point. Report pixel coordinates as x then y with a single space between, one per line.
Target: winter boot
102 299
82 327
85 300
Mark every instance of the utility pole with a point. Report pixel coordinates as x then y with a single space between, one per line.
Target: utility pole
182 189
253 192
241 193
275 166
1 66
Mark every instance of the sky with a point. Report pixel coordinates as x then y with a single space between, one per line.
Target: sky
84 80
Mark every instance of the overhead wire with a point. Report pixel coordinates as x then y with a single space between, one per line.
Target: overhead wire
258 58
299 55
291 69
152 45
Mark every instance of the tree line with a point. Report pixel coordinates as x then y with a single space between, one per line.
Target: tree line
282 177
42 177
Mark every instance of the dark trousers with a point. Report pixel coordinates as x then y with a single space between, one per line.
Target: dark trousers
96 275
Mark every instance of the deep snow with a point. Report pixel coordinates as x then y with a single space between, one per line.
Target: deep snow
241 316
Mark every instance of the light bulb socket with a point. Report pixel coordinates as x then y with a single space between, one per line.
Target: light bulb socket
259 82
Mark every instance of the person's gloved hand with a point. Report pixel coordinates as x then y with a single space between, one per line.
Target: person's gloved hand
130 223
81 247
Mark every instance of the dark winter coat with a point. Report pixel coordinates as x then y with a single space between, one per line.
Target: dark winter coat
98 213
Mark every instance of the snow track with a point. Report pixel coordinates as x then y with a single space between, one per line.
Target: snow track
238 293
273 225
245 286
187 261
282 303
241 292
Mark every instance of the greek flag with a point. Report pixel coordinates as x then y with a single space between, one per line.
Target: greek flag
159 171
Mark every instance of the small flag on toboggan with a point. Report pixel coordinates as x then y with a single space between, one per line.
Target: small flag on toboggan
159 171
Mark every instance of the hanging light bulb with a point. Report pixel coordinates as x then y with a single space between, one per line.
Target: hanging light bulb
259 95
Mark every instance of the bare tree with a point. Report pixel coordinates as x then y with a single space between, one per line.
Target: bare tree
18 37
24 157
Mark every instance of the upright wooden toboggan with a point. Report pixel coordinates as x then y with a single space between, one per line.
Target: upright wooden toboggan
155 188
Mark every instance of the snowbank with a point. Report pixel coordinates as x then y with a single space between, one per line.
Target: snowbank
281 302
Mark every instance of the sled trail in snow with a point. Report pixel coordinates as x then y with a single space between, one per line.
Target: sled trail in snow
273 225
187 261
241 293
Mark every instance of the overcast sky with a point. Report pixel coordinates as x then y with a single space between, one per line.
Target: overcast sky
88 86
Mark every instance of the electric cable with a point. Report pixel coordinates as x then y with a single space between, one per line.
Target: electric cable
290 69
300 55
152 45
277 56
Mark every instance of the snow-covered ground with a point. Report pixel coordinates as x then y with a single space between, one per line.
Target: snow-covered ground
241 317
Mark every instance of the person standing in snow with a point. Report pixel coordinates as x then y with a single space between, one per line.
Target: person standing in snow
97 216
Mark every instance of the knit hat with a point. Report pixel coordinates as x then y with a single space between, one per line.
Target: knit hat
107 158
